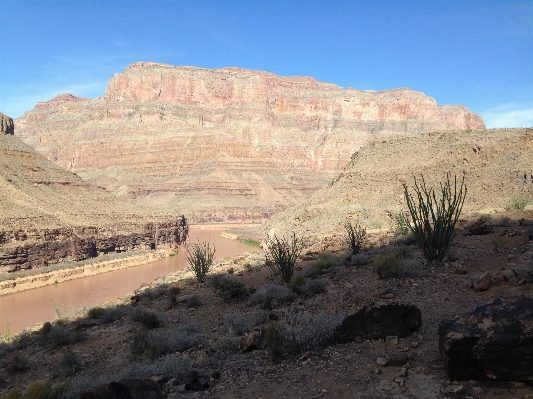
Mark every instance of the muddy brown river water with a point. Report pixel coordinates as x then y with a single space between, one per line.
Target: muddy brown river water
27 308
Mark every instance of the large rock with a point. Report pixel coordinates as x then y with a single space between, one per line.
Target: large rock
495 341
6 124
380 321
126 389
224 145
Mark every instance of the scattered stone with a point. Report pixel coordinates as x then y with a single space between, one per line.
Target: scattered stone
375 321
508 275
397 358
253 341
391 340
480 228
524 274
493 342
456 392
381 361
414 345
482 282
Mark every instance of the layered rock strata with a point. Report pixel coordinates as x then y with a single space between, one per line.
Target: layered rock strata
48 214
223 145
6 124
496 165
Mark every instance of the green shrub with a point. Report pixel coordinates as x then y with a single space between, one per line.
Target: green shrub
47 328
142 347
95 313
274 342
519 204
200 258
230 288
71 363
312 287
324 263
282 256
296 283
401 224
386 265
39 390
61 335
193 301
355 238
434 219
271 295
147 318
251 242
18 363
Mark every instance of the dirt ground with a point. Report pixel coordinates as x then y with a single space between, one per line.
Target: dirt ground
336 371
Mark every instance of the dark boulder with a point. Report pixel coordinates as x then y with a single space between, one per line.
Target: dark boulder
379 321
493 342
480 228
130 388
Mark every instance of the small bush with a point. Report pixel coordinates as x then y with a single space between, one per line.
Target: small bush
193 301
17 363
406 240
271 295
386 265
71 363
95 313
401 224
226 345
147 318
282 256
173 290
519 204
312 287
142 347
47 328
529 233
409 268
171 341
498 243
61 335
296 283
359 260
485 218
251 242
215 279
39 390
239 323
355 238
505 221
324 263
200 258
274 342
115 313
231 289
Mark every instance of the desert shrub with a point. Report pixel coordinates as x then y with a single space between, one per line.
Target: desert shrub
200 258
141 346
71 363
453 255
231 289
400 224
409 268
215 279
193 301
115 313
519 204
172 295
239 323
271 295
173 290
406 240
17 363
230 270
301 331
296 283
39 390
175 340
274 342
386 265
249 241
505 221
498 243
485 218
61 335
146 318
312 287
359 260
224 346
95 313
433 218
47 328
282 256
6 348
355 237
324 263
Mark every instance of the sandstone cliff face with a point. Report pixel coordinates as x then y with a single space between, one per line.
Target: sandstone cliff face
48 215
496 164
6 124
223 145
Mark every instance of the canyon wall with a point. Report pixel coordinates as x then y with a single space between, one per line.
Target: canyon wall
226 144
496 164
48 215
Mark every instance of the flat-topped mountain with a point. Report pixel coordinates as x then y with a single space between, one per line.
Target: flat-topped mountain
496 164
226 144
48 214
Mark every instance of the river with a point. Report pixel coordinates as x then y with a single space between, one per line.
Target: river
27 308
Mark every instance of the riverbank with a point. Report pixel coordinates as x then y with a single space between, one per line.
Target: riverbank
50 277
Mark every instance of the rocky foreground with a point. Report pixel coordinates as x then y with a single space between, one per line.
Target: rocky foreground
224 145
179 338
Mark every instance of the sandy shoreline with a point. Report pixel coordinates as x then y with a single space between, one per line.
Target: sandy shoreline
86 270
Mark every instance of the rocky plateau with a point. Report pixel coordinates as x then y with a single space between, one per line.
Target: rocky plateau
223 144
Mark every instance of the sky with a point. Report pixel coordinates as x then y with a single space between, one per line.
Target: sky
475 53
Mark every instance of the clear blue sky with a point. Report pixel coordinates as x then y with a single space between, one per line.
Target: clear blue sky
475 53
